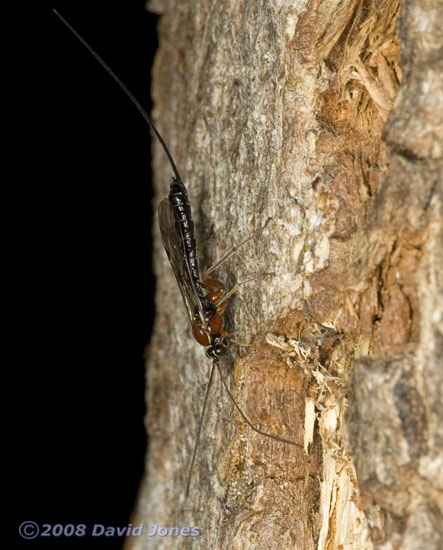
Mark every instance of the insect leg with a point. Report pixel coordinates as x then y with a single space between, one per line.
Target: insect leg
225 334
221 304
233 250
216 290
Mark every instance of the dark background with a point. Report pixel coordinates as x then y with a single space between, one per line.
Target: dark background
78 221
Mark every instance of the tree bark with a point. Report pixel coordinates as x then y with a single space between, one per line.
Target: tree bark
289 110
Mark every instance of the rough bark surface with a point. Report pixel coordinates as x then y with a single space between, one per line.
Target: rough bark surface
289 110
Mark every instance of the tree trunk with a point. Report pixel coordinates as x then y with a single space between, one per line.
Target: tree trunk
289 110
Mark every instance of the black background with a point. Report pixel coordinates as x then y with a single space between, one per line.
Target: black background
78 221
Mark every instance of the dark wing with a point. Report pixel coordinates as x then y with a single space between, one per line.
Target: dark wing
172 242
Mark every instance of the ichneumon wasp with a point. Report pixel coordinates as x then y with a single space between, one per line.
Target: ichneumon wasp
204 297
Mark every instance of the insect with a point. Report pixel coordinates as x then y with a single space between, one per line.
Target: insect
204 298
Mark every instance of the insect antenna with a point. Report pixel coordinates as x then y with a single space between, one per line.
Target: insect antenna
215 363
199 430
246 419
123 86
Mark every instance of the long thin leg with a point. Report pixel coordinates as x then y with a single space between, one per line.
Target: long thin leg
199 431
234 289
233 250
246 419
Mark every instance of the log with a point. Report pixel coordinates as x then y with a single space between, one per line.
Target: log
306 113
